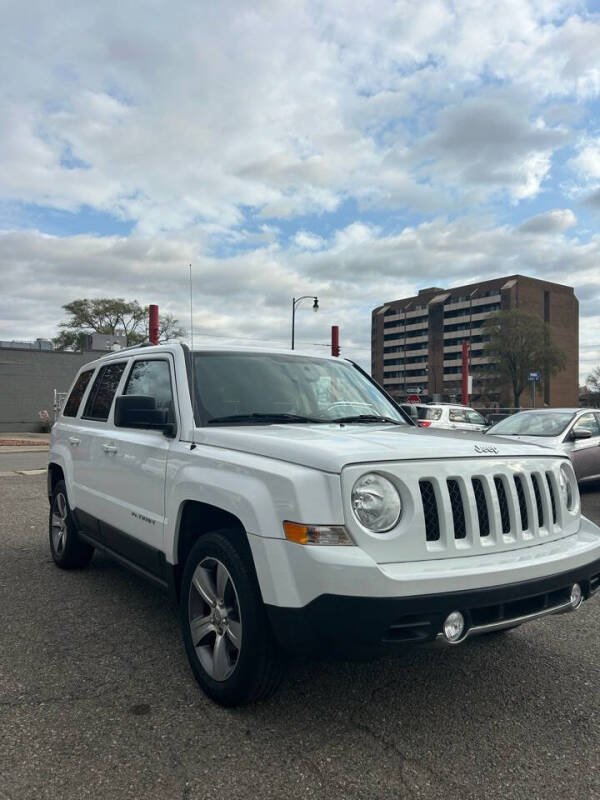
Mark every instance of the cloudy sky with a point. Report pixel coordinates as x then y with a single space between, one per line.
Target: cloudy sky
353 150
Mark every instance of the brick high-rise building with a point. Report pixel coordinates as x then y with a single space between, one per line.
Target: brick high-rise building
416 342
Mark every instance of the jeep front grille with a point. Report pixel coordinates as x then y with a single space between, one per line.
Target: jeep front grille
502 507
503 504
432 521
482 509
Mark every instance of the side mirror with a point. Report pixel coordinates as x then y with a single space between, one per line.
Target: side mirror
581 433
139 411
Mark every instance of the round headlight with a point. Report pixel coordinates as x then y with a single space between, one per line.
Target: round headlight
376 502
568 486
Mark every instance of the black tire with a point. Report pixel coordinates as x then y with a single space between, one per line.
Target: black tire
67 549
257 666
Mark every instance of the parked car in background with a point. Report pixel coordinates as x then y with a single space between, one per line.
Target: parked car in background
574 431
448 416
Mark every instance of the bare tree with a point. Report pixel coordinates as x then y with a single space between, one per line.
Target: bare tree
521 343
593 380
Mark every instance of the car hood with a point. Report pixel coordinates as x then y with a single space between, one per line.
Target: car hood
331 447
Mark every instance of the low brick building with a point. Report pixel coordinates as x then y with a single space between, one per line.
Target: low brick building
416 342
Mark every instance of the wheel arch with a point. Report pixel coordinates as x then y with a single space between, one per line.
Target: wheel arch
196 519
55 474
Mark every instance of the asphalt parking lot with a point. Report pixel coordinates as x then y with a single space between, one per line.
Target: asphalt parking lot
97 700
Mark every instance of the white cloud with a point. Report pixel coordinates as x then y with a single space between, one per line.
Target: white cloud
178 120
247 297
381 140
556 221
586 164
308 241
490 142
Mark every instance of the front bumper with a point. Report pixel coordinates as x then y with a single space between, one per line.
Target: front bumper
338 599
369 626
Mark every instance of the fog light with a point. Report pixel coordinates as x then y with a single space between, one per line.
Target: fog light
576 596
454 626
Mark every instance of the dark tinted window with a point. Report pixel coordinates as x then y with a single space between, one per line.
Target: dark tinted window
104 388
77 392
152 379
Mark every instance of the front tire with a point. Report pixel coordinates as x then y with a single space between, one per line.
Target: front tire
227 637
67 549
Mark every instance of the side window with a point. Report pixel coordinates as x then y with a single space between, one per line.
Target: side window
101 396
588 422
77 392
153 379
457 415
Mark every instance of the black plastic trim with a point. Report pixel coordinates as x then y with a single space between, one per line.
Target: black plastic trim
139 557
368 626
131 565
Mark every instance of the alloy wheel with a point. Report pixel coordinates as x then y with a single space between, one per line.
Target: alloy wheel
59 524
214 618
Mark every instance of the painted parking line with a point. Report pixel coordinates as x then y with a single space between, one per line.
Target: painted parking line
31 471
12 473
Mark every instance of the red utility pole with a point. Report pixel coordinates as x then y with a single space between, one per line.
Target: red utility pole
335 340
466 346
153 325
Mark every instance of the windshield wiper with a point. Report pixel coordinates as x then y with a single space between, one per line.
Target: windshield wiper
265 418
368 418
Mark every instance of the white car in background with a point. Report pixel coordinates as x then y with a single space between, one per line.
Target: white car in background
448 416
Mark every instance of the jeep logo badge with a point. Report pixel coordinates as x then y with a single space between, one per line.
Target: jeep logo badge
486 448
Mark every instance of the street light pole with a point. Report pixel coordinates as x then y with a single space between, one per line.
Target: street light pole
295 302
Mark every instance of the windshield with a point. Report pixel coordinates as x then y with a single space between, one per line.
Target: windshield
261 387
474 417
533 423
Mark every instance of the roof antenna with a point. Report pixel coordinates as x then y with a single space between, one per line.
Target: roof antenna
193 445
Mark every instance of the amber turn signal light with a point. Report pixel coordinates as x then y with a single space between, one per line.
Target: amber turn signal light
316 534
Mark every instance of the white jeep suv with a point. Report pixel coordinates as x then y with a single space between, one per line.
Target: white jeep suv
290 507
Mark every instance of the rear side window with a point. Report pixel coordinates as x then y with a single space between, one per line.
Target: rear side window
429 413
77 392
457 415
102 393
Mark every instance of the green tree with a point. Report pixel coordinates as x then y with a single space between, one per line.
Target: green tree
110 316
521 343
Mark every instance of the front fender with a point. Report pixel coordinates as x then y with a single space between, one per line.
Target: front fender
261 492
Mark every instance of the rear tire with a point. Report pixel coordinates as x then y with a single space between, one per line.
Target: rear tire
67 549
227 636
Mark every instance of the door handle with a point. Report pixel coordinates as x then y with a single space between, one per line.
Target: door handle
74 441
109 448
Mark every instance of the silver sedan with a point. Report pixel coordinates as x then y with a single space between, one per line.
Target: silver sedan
575 431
